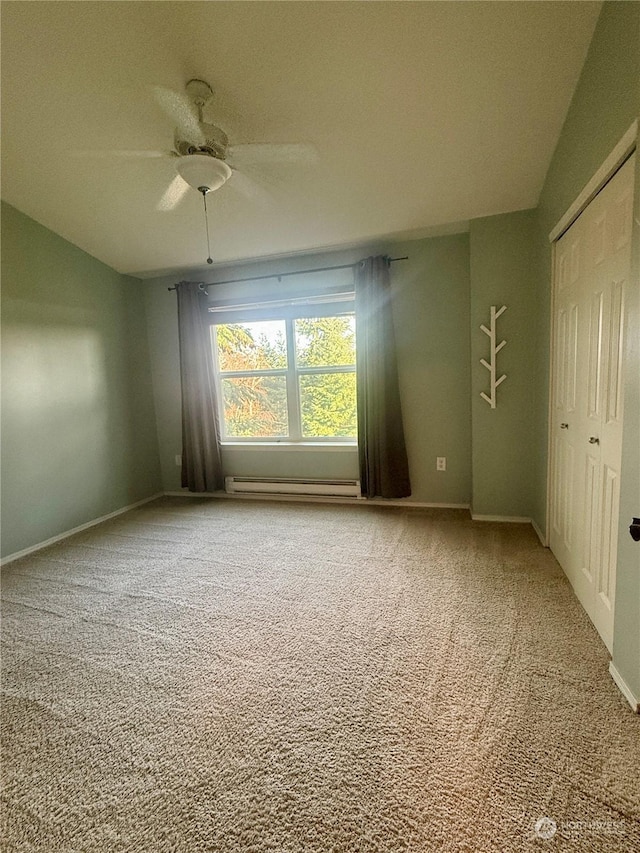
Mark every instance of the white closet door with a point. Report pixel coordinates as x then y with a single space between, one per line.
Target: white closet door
591 277
568 398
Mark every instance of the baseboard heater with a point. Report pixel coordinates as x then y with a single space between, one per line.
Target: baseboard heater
281 486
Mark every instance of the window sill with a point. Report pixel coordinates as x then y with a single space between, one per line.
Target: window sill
291 445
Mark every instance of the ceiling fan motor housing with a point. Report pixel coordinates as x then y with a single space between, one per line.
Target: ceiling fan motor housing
215 145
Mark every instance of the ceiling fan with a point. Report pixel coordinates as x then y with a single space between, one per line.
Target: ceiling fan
203 156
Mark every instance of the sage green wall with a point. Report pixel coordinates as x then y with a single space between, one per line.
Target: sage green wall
626 638
431 313
78 433
503 273
604 105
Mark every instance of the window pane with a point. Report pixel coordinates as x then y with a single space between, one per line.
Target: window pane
252 346
326 341
328 405
255 406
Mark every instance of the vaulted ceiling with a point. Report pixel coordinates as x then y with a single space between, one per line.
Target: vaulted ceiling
422 114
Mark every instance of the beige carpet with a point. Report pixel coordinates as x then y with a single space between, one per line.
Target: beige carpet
250 676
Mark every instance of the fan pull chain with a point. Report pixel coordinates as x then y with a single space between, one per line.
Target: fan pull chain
204 191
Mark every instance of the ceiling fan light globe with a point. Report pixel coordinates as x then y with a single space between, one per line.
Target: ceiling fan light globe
202 170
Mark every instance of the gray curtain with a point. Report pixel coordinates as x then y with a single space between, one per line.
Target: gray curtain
384 471
201 460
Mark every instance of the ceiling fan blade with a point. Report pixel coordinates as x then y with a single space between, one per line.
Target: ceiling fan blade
249 188
173 194
182 111
122 153
249 154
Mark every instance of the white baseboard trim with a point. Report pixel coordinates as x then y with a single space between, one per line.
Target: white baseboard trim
247 496
424 504
543 539
624 688
511 519
32 548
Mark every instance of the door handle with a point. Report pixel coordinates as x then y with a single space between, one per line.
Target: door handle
564 426
594 440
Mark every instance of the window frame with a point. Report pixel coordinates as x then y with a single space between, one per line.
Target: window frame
288 314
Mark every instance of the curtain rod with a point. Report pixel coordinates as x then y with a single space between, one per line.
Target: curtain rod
280 275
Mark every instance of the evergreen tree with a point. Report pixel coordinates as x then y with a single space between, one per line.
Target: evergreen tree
253 405
257 405
327 401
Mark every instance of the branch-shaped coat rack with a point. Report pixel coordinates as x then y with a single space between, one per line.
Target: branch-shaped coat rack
495 349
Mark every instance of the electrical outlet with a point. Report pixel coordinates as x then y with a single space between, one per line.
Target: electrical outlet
179 461
441 463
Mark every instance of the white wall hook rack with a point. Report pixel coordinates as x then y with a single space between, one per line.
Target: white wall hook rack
495 349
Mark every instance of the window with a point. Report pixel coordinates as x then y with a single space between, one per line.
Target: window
286 377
